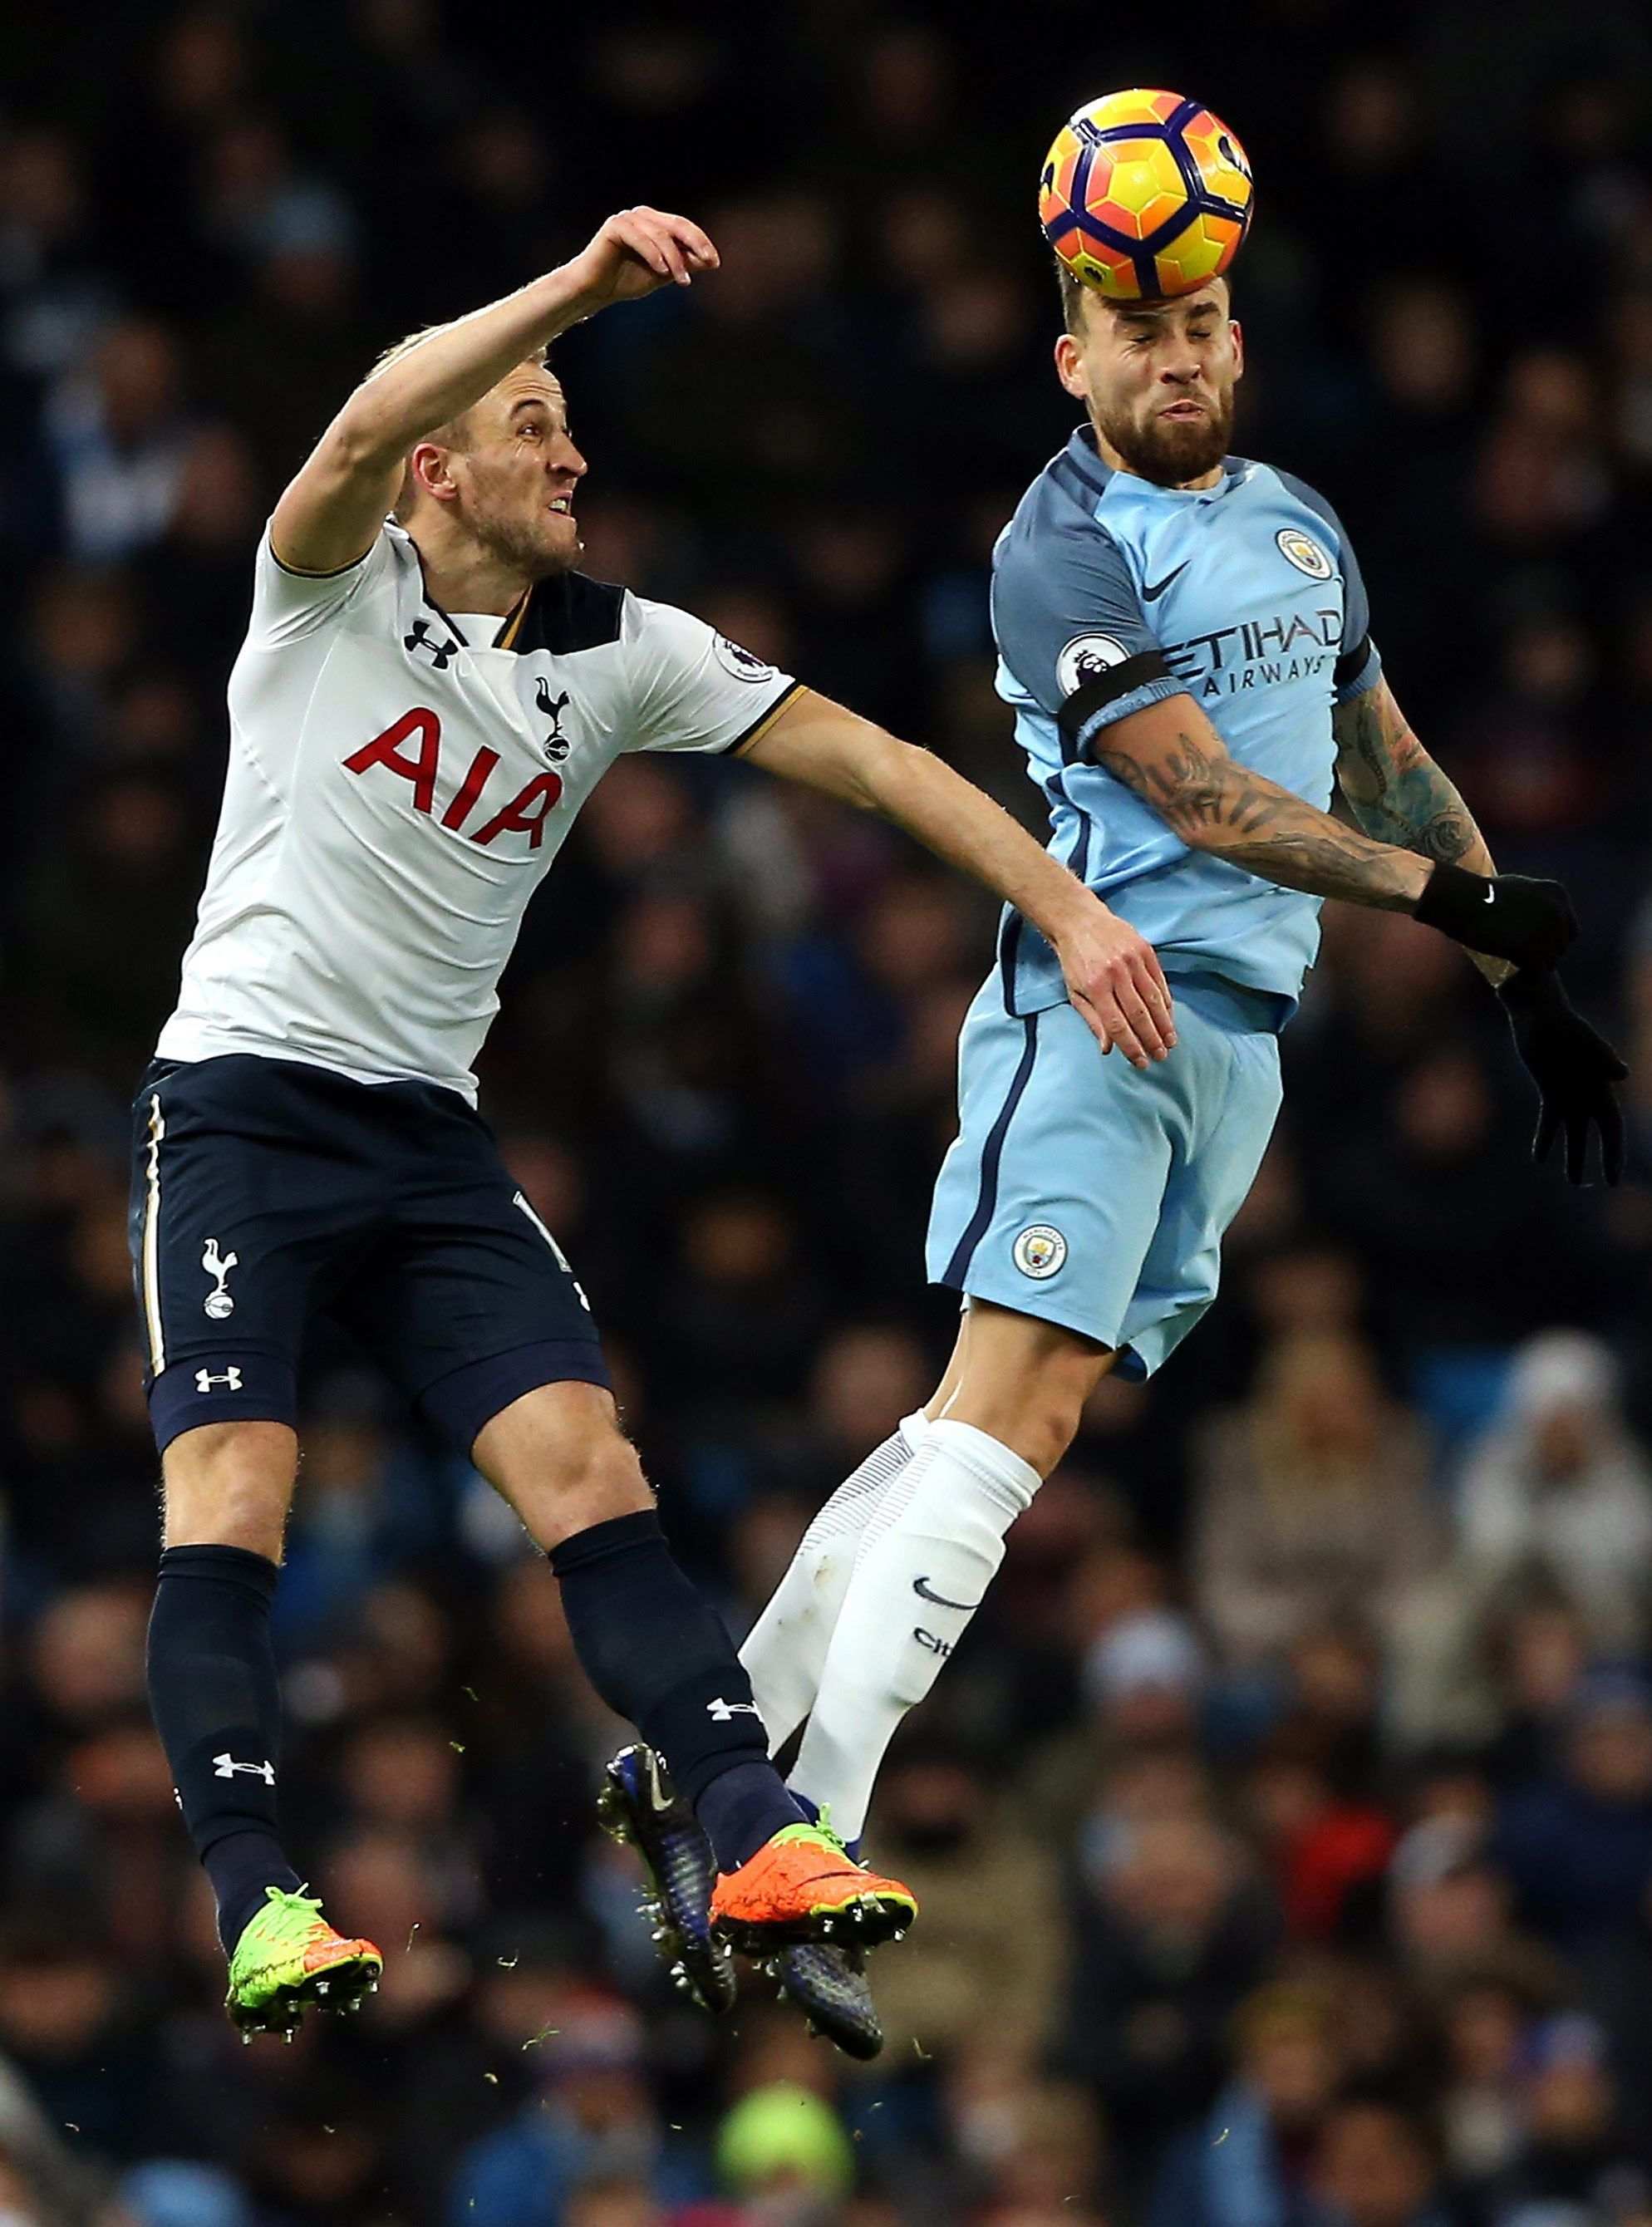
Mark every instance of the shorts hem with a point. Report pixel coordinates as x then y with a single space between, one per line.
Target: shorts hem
196 1388
1141 1355
1042 1307
463 1401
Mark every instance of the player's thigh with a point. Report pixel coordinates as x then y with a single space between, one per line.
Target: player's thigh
1207 1188
557 1455
1021 1380
469 1303
239 1198
1048 1201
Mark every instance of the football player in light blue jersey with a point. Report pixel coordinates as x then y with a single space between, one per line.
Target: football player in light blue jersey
1183 636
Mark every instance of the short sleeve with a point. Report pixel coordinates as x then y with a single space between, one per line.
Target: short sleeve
1358 666
1071 630
289 604
693 689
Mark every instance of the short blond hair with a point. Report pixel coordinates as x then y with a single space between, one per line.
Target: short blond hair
455 434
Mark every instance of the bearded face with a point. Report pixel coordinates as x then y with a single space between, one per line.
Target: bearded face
1158 380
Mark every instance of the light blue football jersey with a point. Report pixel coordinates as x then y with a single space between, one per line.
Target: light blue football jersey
1110 593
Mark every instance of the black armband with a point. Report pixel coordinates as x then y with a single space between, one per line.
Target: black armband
1106 688
1351 664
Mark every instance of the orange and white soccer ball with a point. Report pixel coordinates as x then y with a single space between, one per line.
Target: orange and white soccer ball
1145 195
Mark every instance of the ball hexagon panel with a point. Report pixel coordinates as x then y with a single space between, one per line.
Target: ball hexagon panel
1134 187
1201 251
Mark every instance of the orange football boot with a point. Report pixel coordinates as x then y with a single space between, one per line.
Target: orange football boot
802 1885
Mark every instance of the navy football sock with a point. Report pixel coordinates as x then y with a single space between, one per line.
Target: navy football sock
739 1812
241 1866
658 1655
216 1701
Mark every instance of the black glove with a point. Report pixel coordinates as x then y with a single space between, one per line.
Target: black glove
1574 1070
1505 915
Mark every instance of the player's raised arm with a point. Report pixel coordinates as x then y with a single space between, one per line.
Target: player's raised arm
1113 974
329 516
1169 755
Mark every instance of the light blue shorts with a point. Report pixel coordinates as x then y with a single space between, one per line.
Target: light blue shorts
1091 1195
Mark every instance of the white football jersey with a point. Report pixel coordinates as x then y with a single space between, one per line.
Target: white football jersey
399 784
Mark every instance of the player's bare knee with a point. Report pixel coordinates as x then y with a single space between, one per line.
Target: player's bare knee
558 1455
605 1478
1023 1382
591 1482
1048 1422
230 1484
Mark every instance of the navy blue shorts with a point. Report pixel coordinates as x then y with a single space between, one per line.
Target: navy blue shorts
265 1193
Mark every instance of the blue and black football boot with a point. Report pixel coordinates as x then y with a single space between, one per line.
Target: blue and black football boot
828 1985
640 1806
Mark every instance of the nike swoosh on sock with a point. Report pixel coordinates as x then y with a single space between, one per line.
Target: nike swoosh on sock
926 1591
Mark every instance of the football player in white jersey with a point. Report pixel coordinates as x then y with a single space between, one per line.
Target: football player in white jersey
423 700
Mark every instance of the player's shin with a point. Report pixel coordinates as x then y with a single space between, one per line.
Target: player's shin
914 1587
216 1701
658 1655
785 1652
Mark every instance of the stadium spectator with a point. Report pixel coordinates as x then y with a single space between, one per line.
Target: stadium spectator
1313 1502
1248 2161
1577 1844
1559 1491
1378 2164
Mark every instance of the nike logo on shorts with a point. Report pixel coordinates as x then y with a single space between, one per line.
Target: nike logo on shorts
926 1591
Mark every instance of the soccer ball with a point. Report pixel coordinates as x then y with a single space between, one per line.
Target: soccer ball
1145 195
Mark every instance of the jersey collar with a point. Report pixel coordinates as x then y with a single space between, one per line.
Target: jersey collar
1085 458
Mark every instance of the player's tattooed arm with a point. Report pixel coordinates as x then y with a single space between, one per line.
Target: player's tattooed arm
1392 789
1172 756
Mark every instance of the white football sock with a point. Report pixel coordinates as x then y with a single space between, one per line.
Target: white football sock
916 1583
786 1651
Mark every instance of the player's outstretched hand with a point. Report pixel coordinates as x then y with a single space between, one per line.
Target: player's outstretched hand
637 250
1114 980
1512 916
1574 1068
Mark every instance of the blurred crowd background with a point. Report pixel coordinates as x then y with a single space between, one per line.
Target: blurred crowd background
1284 1826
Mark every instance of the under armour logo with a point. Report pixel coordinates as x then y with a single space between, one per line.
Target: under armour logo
441 652
556 744
218 1303
225 1766
231 1379
725 1713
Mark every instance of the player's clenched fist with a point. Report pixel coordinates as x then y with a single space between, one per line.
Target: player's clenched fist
636 251
1114 980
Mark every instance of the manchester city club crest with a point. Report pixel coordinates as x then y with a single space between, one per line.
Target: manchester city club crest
1301 550
1039 1251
